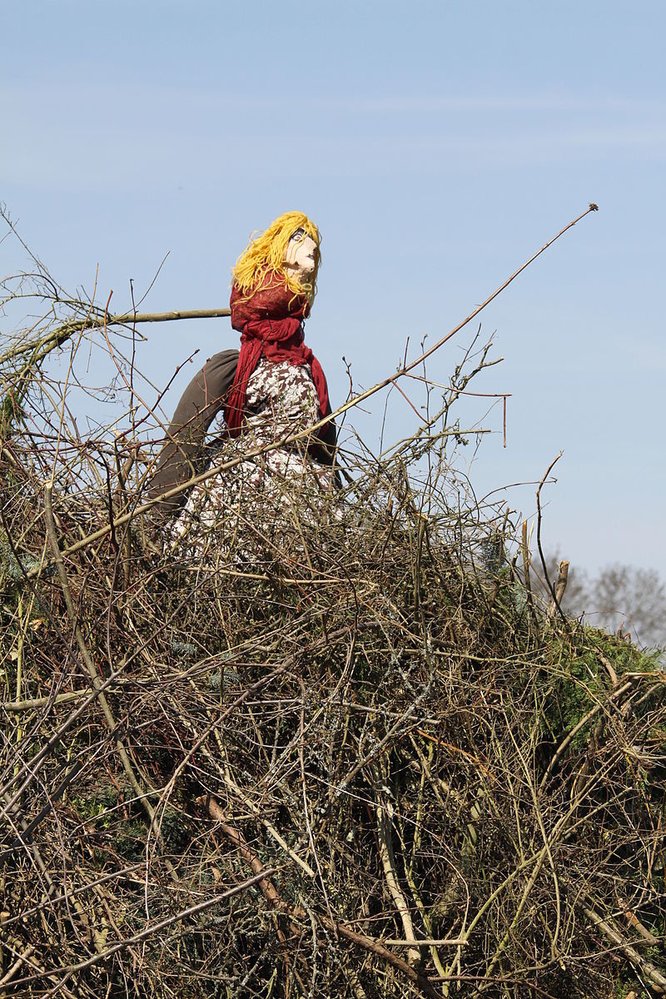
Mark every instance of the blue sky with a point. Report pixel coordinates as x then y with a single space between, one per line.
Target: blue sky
436 144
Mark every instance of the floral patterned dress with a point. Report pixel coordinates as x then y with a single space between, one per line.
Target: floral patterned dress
262 493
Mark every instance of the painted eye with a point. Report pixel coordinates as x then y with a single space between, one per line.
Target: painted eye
298 235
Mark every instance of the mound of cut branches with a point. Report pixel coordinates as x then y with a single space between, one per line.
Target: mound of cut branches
343 756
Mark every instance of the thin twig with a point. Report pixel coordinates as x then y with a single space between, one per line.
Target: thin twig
145 934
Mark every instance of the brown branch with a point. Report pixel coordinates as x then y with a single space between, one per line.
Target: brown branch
59 336
650 971
428 942
542 556
21 959
376 947
41 702
95 680
272 896
560 587
129 318
387 857
525 550
144 934
267 888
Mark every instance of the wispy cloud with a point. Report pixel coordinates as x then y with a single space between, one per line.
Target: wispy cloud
121 138
431 104
99 93
134 159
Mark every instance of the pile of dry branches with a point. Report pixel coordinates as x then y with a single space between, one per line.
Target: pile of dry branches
349 757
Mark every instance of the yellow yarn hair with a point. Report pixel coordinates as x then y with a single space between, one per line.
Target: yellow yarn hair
267 252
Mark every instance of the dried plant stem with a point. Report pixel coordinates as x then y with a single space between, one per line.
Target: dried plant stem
356 400
20 960
41 702
271 895
426 942
95 680
280 840
149 931
41 347
647 968
387 858
560 588
525 551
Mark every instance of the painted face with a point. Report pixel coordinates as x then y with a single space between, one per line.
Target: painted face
301 253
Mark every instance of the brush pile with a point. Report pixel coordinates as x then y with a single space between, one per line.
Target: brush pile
348 757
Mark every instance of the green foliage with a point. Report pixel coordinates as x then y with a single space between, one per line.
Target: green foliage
582 668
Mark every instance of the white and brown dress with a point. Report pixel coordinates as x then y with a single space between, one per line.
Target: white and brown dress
268 484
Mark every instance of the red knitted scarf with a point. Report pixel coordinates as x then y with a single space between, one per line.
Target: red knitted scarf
270 323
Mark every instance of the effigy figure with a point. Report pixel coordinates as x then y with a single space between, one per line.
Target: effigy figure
269 391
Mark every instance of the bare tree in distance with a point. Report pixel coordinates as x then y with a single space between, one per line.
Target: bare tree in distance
632 599
619 598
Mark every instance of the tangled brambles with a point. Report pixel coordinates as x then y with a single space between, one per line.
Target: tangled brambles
341 757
